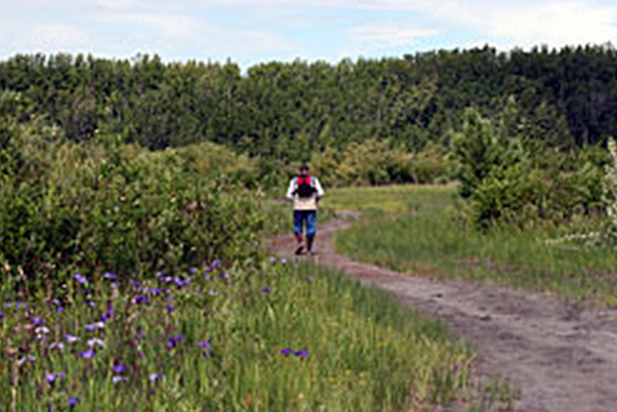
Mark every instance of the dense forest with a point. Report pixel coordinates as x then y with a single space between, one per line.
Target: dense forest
522 132
285 110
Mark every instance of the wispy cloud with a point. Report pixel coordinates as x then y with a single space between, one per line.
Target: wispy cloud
259 30
42 37
522 23
164 25
389 35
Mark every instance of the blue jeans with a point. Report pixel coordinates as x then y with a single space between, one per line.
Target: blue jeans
308 217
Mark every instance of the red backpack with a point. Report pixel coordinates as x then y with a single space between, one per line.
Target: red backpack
304 187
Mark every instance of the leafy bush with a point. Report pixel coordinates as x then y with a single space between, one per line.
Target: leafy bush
377 162
107 204
609 234
508 178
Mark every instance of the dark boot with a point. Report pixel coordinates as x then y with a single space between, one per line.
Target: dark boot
309 244
300 247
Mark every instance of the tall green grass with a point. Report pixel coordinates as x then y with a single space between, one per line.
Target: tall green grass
282 338
387 200
431 242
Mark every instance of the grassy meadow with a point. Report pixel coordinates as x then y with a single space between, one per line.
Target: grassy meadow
281 338
430 241
136 280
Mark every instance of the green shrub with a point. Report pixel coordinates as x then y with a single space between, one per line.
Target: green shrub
104 204
506 178
378 162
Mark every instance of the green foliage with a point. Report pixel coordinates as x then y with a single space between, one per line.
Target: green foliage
287 111
509 177
609 195
387 200
378 162
430 242
477 151
108 205
363 350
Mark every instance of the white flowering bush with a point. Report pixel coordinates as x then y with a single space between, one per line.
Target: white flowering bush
610 195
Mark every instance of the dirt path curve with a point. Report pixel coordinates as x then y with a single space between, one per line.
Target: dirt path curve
563 358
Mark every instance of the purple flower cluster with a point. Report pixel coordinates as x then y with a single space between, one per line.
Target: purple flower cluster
91 340
51 378
174 341
303 353
206 348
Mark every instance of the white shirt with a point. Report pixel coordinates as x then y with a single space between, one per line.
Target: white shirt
308 203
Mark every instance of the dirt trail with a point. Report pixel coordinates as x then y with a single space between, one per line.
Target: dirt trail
563 358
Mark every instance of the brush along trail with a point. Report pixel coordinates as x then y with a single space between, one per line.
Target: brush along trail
563 357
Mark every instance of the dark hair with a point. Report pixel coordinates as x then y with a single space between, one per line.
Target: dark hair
304 167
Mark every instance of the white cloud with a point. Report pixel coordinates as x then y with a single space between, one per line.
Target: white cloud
555 24
522 23
389 35
175 26
59 37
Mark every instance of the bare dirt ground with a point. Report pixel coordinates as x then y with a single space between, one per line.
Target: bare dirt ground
562 357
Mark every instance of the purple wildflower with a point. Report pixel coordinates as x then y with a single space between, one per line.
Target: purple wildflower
80 279
155 377
94 326
73 401
56 345
118 379
139 299
110 276
286 351
71 339
87 354
114 285
119 368
175 340
192 270
1 315
38 321
224 276
41 330
135 283
17 305
52 377
90 303
266 289
180 282
27 358
96 342
216 264
107 316
283 261
170 308
59 306
213 292
301 354
205 346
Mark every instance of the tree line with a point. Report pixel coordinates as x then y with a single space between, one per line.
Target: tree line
286 111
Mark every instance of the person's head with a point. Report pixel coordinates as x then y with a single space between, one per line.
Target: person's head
304 169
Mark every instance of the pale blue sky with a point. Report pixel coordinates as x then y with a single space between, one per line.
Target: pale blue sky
254 31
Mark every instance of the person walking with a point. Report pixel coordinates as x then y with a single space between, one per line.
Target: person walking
305 191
